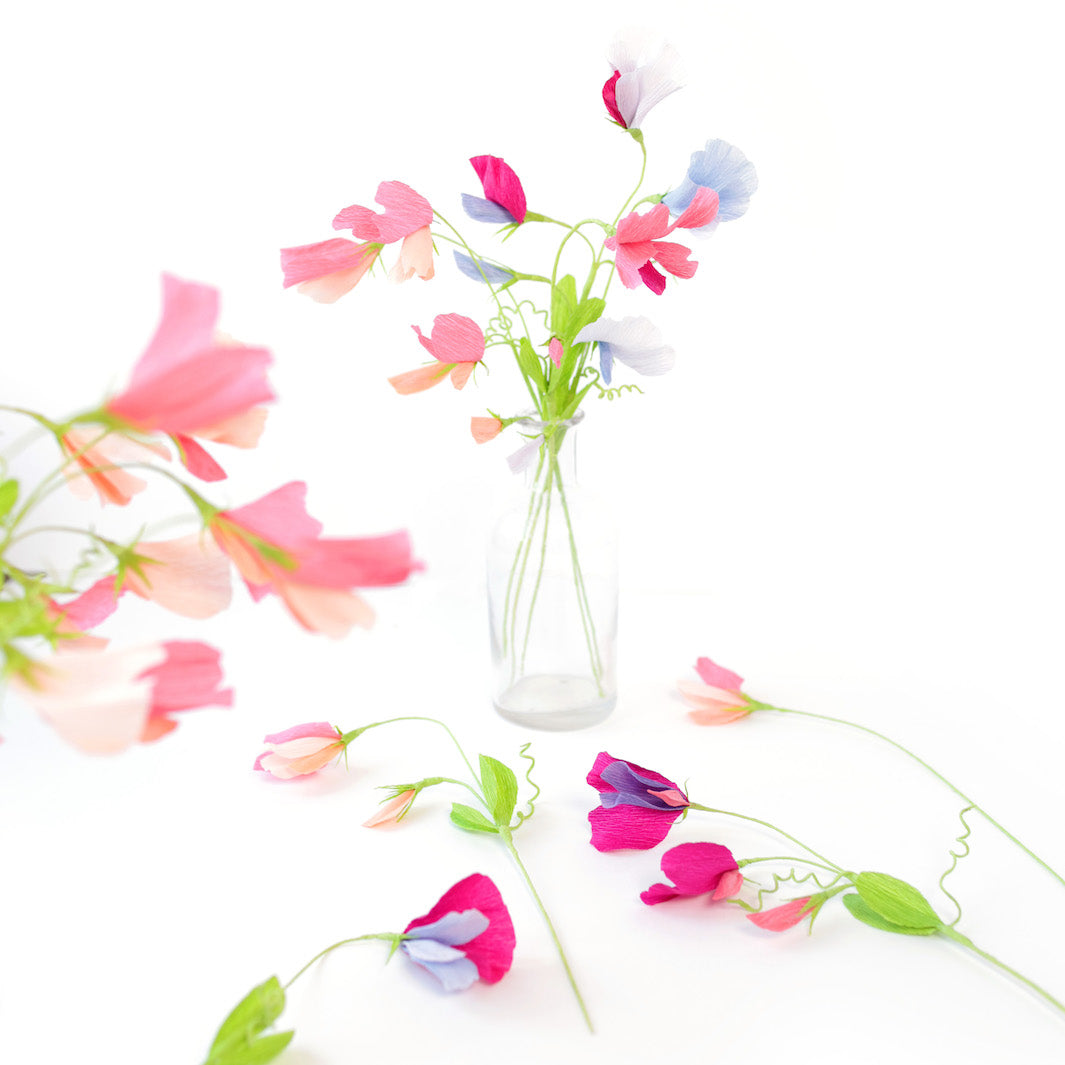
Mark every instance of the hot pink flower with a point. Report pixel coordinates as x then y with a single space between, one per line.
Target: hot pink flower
105 701
407 216
456 342
504 198
300 750
189 382
696 869
392 811
329 269
485 429
781 918
471 916
717 700
637 806
637 244
277 547
96 463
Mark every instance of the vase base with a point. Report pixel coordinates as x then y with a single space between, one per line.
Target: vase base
554 702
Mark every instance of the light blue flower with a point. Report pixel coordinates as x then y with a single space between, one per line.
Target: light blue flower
725 169
636 342
484 272
435 947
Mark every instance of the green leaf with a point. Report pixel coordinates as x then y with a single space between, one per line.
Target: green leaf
8 495
258 1052
529 364
470 819
590 310
500 788
897 902
259 1008
563 306
866 915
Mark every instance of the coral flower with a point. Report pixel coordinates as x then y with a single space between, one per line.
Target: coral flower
329 269
715 698
781 918
725 169
300 750
642 78
457 344
636 342
407 217
638 247
77 616
394 810
504 200
696 869
104 701
472 916
637 806
277 547
190 382
485 429
97 463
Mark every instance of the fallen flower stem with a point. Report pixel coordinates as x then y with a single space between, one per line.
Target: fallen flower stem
392 937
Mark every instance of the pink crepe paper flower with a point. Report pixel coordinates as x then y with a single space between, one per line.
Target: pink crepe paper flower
328 269
696 869
715 698
504 197
190 382
781 918
457 344
472 916
407 217
637 806
105 701
642 78
300 750
77 616
555 351
392 811
96 463
188 575
637 244
485 429
277 547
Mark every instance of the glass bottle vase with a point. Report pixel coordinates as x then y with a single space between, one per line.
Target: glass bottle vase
553 590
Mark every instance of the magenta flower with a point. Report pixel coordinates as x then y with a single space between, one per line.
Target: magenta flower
788 915
504 200
717 700
638 247
696 869
407 217
642 78
470 915
457 344
300 750
637 806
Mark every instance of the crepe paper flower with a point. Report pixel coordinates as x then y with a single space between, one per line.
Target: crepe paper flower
407 217
485 429
188 575
696 869
715 698
300 750
470 915
725 169
637 806
788 915
555 351
328 269
638 247
642 78
97 461
504 197
394 810
456 342
190 383
481 271
636 342
277 547
77 616
105 701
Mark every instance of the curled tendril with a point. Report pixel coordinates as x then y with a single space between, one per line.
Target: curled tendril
793 878
955 857
608 393
503 323
531 801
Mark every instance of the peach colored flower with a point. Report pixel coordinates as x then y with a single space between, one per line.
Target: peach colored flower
96 463
456 342
85 611
300 750
485 429
189 575
788 915
716 698
393 810
329 269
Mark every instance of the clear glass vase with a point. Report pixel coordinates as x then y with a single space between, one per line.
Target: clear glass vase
553 591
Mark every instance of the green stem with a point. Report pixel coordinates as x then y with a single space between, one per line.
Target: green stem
744 862
920 761
508 842
953 933
543 558
347 737
392 937
530 524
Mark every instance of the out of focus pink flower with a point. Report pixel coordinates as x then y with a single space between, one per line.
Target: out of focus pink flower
97 461
190 382
189 575
277 547
788 915
715 698
104 701
300 750
393 810
456 342
407 217
77 616
485 429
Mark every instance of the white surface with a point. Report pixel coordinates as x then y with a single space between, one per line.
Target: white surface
847 490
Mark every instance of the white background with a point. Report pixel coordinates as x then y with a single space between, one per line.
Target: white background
848 490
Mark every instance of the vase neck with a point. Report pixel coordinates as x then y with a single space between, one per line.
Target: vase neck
557 451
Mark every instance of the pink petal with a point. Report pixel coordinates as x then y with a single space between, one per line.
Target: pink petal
781 918
611 100
363 561
405 212
554 351
419 380
729 886
326 610
700 212
630 827
705 697
325 258
280 517
243 430
461 373
189 678
98 465
501 184
321 729
674 258
697 868
455 338
197 461
94 606
415 257
717 676
390 812
651 225
655 281
186 326
189 575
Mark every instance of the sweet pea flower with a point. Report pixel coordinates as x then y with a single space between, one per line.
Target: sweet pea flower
457 344
638 247
191 383
407 217
97 461
188 575
637 806
328 269
643 76
716 698
277 547
504 200
696 869
725 169
788 915
470 915
482 271
636 342
394 810
77 616
105 701
300 750
485 429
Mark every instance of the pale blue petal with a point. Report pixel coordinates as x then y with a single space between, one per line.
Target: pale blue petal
453 975
481 210
725 169
494 275
681 197
453 928
606 361
520 459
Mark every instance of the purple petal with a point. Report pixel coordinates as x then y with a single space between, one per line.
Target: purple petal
481 271
481 210
453 928
455 975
